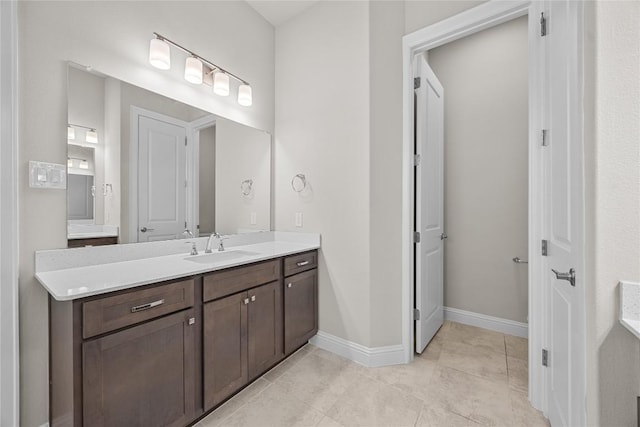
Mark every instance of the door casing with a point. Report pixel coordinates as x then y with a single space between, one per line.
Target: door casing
466 23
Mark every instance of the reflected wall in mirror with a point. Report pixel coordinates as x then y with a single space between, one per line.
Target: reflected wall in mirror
160 169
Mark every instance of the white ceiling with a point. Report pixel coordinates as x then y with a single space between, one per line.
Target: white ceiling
279 11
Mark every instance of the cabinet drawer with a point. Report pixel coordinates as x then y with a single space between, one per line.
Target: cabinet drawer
227 282
302 262
111 313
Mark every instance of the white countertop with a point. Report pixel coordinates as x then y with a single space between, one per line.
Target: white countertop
74 282
630 306
90 231
91 235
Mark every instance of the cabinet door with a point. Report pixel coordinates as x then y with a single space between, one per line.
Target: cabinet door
225 348
300 309
142 376
264 327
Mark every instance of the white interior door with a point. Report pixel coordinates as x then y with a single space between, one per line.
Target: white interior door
564 211
429 215
161 179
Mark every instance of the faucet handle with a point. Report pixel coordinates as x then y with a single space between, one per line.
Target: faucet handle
194 249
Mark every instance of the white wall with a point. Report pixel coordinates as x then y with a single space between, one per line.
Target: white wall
486 169
113 37
322 131
612 153
241 153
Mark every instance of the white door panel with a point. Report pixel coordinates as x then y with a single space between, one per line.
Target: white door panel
429 214
161 180
564 210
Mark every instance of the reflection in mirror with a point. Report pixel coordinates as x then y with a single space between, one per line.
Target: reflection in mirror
159 169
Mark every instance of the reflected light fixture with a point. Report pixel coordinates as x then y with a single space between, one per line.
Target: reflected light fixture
83 164
198 70
193 70
221 84
69 162
159 54
244 95
92 136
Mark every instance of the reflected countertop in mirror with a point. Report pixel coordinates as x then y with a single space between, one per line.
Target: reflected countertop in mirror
144 167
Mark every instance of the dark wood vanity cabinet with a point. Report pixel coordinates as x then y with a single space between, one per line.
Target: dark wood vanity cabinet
300 300
141 376
165 354
242 332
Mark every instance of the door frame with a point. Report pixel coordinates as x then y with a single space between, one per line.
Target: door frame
134 114
9 336
193 171
461 25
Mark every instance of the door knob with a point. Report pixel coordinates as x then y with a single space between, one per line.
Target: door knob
443 236
569 277
145 229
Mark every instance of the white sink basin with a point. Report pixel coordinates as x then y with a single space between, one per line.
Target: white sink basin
215 257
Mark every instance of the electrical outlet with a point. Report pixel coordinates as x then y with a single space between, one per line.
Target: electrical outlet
298 219
254 220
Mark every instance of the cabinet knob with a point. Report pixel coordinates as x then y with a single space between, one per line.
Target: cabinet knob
246 301
289 285
192 320
253 297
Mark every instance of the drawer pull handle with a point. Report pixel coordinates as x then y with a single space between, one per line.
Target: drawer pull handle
289 285
146 306
246 301
253 297
302 263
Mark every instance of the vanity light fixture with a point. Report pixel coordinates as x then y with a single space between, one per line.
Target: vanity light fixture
91 136
69 162
160 54
221 84
244 95
193 70
198 70
83 164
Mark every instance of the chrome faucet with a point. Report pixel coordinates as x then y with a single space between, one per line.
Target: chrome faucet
212 236
187 234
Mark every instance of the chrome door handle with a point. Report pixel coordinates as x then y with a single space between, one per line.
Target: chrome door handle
145 229
569 277
443 236
517 260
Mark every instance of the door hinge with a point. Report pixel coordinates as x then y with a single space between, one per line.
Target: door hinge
416 237
416 83
543 25
416 160
545 357
416 314
545 137
544 247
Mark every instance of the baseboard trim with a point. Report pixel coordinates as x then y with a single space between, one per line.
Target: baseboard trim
367 356
505 326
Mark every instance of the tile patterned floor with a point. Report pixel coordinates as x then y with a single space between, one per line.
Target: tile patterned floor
467 376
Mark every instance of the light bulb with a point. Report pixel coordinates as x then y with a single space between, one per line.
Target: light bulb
159 54
193 70
244 95
92 136
221 84
71 133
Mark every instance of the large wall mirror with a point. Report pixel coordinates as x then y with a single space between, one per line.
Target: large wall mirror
143 167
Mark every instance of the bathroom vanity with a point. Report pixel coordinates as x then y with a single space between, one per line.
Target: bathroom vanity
129 348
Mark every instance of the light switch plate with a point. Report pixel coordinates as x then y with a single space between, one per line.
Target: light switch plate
298 219
47 175
254 219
